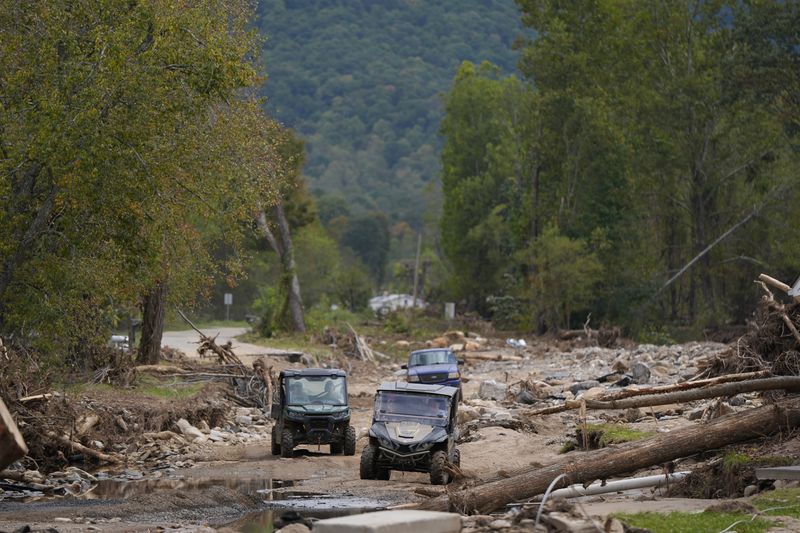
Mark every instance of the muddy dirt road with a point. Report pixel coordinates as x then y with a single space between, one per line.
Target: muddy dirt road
238 486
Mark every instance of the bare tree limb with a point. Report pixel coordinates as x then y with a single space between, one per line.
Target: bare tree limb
708 248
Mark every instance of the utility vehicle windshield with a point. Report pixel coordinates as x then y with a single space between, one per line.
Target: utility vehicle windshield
395 407
431 358
325 390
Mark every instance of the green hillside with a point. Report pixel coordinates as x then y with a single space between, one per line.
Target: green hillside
361 81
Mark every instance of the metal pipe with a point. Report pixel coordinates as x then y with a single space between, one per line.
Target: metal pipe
620 485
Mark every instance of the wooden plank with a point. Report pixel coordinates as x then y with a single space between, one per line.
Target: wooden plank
12 445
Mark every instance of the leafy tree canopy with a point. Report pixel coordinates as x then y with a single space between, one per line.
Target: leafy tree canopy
127 147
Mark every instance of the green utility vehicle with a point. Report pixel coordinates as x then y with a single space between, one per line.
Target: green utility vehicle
310 407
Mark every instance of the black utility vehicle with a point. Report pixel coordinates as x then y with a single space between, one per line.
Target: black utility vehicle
310 407
413 429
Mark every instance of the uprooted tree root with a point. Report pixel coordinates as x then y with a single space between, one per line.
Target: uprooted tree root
769 344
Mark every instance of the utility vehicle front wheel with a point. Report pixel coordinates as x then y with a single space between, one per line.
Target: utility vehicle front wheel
336 448
369 456
287 443
350 441
275 447
439 475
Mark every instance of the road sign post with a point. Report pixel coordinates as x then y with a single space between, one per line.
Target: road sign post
228 300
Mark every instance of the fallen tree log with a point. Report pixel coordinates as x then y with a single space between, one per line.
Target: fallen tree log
12 445
528 482
789 383
685 385
490 356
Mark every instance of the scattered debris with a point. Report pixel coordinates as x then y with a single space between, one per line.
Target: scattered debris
527 483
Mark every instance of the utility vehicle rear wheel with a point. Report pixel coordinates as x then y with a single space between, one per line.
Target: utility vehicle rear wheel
439 475
287 443
275 444
350 441
367 467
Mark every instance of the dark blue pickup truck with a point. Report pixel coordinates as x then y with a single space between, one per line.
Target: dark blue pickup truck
436 366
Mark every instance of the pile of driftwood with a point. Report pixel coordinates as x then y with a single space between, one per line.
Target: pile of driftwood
250 387
772 341
351 343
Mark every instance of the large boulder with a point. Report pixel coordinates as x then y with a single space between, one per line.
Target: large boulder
492 390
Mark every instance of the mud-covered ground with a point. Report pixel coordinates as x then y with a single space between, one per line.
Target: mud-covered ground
233 486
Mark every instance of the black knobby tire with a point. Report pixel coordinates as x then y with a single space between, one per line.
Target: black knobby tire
439 475
336 448
382 473
275 444
287 443
456 457
350 441
367 468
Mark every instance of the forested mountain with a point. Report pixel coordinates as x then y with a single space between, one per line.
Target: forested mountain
361 83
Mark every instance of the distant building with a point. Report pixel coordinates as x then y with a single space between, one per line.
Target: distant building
392 302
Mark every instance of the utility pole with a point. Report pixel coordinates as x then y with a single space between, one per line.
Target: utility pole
416 269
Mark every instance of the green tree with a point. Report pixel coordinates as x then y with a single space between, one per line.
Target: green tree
567 273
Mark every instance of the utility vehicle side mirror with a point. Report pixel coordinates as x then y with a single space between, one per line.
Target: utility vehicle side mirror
461 361
275 412
404 367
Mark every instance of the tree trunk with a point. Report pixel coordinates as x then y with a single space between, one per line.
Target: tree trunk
294 299
283 247
589 466
12 445
152 325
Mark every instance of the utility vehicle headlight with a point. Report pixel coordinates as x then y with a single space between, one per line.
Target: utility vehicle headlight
453 375
413 378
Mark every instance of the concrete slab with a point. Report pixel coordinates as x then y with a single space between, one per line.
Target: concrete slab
399 521
778 472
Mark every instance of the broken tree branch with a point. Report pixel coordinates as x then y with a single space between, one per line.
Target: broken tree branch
769 280
12 445
531 481
225 353
77 446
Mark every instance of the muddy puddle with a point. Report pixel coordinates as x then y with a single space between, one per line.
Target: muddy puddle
305 508
284 500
